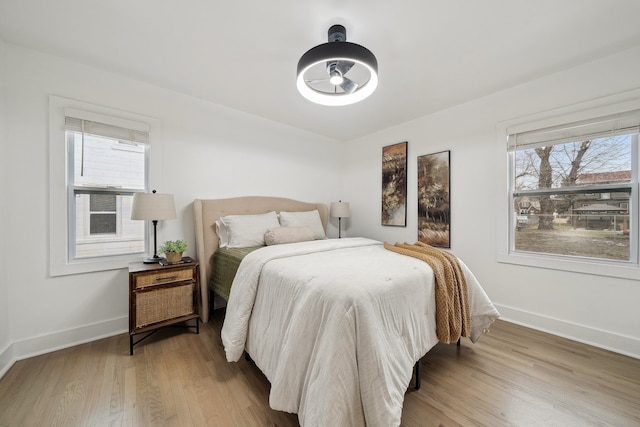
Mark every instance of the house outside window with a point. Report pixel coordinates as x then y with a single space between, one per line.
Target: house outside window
571 188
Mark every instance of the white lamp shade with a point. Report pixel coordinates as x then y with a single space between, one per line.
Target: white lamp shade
340 210
153 206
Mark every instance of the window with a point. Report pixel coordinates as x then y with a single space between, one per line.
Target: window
107 165
571 189
98 158
103 214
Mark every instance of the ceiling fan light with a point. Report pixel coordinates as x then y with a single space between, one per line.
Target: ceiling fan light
333 52
336 79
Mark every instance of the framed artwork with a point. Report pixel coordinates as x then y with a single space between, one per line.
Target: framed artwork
434 215
394 185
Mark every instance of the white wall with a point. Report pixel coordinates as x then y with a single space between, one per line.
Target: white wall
595 309
208 151
205 146
5 337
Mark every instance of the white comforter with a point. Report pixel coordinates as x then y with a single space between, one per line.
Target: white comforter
337 326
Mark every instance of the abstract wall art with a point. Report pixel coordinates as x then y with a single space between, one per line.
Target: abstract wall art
434 213
394 185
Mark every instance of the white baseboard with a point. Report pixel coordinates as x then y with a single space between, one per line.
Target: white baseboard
56 341
628 346
42 344
7 359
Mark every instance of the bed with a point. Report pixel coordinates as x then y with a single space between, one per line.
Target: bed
336 325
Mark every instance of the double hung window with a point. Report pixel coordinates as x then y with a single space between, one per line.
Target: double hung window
107 164
98 158
573 189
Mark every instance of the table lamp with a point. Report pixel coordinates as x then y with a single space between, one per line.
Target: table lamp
340 210
153 206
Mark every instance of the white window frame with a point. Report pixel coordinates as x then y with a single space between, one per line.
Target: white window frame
59 262
602 107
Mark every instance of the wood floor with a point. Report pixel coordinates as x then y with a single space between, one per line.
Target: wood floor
512 377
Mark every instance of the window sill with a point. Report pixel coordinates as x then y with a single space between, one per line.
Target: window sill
91 265
598 268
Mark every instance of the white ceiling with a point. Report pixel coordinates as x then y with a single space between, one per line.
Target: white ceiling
432 54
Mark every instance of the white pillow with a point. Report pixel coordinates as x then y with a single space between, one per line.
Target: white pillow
249 230
309 219
223 234
280 235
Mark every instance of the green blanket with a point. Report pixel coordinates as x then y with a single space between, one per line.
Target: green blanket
225 264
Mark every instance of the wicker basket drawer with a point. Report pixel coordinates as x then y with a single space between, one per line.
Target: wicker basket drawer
162 295
162 277
165 303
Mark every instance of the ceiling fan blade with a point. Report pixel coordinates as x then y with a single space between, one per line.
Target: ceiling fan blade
349 86
316 80
344 66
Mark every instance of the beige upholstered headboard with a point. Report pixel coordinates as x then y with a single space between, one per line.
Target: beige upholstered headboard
206 212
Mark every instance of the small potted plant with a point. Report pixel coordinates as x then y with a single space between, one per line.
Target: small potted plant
173 249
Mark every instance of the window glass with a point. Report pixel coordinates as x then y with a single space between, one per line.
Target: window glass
102 162
572 198
583 163
106 172
579 225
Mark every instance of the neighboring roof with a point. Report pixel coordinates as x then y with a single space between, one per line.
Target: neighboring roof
604 177
600 207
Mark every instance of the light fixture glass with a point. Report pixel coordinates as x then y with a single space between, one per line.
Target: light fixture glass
322 71
336 78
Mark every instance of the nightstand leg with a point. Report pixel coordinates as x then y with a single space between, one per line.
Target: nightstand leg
198 325
130 345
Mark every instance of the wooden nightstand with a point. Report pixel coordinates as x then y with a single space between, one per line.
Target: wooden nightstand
162 295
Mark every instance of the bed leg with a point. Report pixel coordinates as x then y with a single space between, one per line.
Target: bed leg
247 357
417 374
458 343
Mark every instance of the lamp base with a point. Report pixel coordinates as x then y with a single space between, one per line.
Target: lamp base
153 260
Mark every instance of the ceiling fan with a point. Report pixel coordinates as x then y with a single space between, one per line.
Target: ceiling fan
322 71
